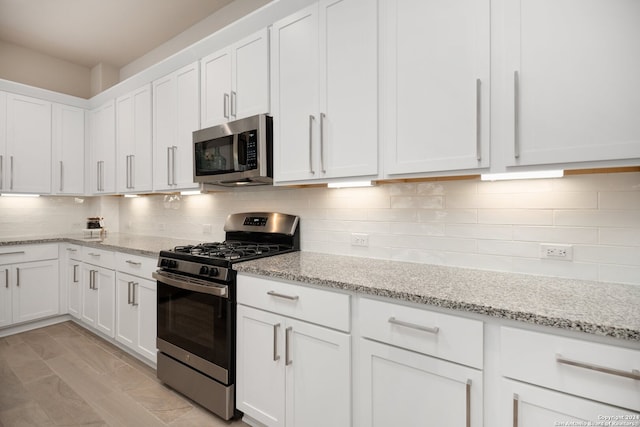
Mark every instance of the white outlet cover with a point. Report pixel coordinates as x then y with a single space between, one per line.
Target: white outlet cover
557 251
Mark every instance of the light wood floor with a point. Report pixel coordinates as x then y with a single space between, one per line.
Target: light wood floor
65 375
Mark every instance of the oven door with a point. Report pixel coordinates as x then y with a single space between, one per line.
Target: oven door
195 325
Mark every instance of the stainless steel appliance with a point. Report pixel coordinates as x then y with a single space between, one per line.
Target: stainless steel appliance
197 306
235 153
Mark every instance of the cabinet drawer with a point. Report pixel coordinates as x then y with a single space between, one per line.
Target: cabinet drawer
544 359
448 337
99 257
318 306
136 265
28 253
72 251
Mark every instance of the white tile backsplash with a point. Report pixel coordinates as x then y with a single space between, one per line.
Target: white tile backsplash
464 223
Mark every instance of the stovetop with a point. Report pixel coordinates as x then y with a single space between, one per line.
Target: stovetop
232 250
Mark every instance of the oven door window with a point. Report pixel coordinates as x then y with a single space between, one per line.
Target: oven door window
214 156
196 322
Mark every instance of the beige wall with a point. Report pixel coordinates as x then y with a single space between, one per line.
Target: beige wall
35 69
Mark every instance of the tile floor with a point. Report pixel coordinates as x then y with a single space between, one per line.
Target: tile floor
65 375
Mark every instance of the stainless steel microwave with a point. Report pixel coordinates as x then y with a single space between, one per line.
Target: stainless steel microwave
235 153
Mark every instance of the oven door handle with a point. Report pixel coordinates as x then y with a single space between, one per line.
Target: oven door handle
213 289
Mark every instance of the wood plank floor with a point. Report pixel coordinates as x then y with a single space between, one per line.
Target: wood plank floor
63 375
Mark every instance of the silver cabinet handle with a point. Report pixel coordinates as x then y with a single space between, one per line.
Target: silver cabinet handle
90 279
279 295
93 254
311 119
431 330
478 120
133 170
61 176
287 357
168 165
225 105
75 273
11 169
468 392
17 277
634 374
98 176
129 300
12 253
133 262
134 294
516 398
234 106
1 172
276 356
516 114
95 281
72 250
173 165
322 117
6 278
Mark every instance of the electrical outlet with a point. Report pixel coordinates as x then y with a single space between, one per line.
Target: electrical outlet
206 229
359 239
557 252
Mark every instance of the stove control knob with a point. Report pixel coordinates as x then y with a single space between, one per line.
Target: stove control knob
172 263
204 270
213 271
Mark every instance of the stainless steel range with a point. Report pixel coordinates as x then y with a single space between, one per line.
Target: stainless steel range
197 306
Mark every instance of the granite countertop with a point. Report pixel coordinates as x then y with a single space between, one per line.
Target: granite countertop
598 308
122 242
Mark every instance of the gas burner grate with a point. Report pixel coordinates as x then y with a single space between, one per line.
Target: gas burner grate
230 250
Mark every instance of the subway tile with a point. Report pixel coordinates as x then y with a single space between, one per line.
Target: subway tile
602 254
515 216
555 234
620 200
392 215
426 202
347 214
619 236
423 229
453 216
479 231
434 243
509 248
403 189
597 218
516 186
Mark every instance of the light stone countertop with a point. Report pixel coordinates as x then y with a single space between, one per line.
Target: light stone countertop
606 309
598 308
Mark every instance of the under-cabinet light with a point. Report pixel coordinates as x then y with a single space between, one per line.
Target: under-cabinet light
18 195
347 184
522 175
190 193
131 196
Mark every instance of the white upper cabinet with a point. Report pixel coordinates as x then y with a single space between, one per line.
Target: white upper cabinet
102 166
436 80
325 92
68 149
133 139
176 114
235 81
26 163
569 76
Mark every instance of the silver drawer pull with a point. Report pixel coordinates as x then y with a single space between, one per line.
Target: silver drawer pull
276 356
289 297
431 330
72 250
93 254
468 393
287 356
634 374
133 262
12 253
516 398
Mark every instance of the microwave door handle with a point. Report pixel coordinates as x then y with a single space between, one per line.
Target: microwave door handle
236 160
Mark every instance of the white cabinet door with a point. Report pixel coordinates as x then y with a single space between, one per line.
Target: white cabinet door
68 149
102 167
6 303
105 282
318 372
27 168
145 295
89 306
235 81
133 138
535 406
325 92
260 381
401 387
176 114
74 288
437 85
126 311
295 96
570 74
36 291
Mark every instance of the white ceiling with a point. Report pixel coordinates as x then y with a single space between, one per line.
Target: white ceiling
88 32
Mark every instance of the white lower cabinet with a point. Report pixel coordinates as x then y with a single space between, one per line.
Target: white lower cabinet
29 280
72 277
404 388
136 314
291 372
98 298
